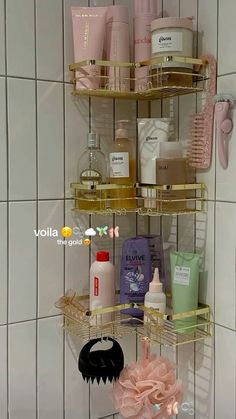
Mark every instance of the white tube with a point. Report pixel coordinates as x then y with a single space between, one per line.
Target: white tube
89 25
151 132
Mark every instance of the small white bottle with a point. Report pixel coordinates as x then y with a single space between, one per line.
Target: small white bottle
155 297
102 287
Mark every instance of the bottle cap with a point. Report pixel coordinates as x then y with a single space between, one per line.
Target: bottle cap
117 14
145 8
156 285
122 130
172 22
93 140
102 256
171 150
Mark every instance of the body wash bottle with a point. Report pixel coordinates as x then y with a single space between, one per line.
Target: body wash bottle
122 168
118 47
145 11
102 287
155 297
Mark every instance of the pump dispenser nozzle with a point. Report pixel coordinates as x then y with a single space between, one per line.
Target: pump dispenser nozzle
156 285
122 128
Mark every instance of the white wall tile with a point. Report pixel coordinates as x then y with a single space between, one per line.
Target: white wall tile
3 263
22 261
225 376
204 379
207 27
76 389
50 258
2 37
22 371
205 236
225 263
3 141
50 140
49 39
3 372
186 374
68 37
22 139
171 7
226 37
76 257
20 38
225 189
50 369
77 127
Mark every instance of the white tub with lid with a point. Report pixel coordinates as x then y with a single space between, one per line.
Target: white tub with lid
172 36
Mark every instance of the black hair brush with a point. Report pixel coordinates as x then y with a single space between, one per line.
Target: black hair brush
101 364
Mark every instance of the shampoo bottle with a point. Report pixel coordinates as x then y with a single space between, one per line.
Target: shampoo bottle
155 297
102 286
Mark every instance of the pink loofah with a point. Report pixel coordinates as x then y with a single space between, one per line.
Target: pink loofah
148 389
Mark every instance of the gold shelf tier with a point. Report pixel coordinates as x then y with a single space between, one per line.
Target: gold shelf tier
165 329
161 82
159 200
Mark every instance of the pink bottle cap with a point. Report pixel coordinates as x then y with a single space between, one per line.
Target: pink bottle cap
145 7
172 22
117 14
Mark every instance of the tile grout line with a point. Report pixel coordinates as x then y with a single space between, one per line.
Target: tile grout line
37 207
64 206
8 219
214 260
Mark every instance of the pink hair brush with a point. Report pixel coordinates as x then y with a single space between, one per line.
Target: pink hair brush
224 125
148 388
200 151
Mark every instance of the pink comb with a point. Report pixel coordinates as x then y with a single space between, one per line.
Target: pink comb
202 124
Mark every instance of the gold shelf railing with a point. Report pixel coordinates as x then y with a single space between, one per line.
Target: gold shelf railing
160 81
122 199
165 329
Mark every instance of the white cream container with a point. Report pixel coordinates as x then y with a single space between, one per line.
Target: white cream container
172 36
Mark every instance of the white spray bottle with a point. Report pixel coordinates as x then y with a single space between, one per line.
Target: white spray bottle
155 297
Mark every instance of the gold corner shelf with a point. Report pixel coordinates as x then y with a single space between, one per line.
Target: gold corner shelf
165 329
160 82
107 199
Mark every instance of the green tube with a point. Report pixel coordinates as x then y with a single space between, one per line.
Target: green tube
184 285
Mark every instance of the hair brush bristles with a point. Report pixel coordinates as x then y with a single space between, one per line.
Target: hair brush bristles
201 130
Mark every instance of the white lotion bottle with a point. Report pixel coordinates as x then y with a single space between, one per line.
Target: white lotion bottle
102 287
155 297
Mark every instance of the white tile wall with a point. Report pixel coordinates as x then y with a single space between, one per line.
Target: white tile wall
42 133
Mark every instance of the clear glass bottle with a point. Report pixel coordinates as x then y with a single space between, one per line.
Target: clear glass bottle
122 168
92 170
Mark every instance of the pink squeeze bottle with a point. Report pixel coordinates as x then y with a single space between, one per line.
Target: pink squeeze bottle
145 11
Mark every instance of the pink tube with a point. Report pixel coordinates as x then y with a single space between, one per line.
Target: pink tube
89 25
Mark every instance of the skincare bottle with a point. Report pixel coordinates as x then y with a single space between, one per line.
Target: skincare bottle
171 169
118 47
151 133
155 297
102 286
145 11
122 168
184 288
92 171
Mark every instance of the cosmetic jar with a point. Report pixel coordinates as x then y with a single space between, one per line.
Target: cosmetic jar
172 36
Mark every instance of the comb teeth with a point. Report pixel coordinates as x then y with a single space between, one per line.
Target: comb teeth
110 378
